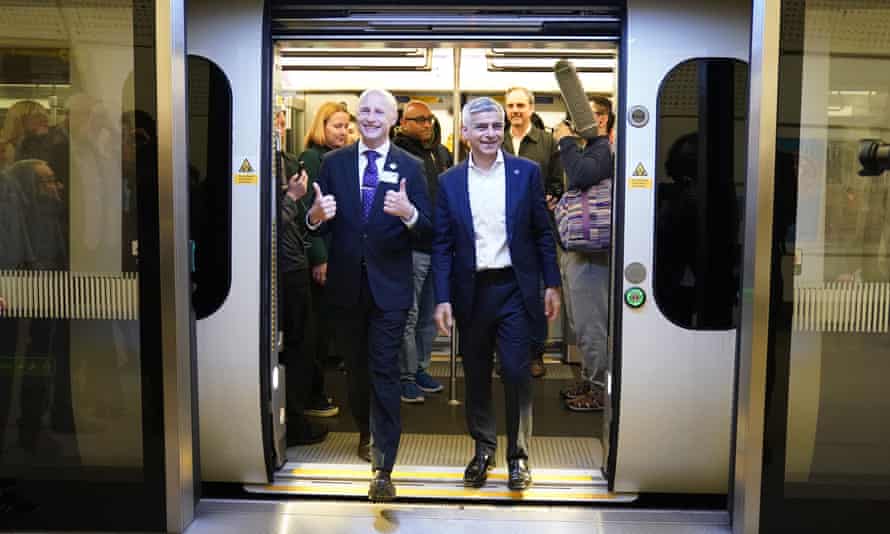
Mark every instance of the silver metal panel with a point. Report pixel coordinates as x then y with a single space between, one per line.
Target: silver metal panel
173 204
229 33
765 26
676 384
339 517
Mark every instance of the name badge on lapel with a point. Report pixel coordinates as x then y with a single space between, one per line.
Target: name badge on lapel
389 177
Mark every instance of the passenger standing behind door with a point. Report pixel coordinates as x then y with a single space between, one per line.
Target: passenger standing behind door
329 131
587 275
417 136
526 140
296 305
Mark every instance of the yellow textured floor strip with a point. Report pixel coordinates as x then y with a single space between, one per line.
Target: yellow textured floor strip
430 475
401 491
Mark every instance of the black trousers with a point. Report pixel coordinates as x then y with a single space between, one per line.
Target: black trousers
370 341
499 321
295 308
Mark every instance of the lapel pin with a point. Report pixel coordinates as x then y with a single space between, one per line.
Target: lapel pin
393 165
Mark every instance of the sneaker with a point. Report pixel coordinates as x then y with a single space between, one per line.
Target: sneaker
305 432
411 393
322 407
592 401
427 383
577 389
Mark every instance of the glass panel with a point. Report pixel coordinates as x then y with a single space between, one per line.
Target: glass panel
702 103
831 275
77 151
210 184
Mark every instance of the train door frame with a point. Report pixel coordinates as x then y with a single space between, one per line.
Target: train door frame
269 35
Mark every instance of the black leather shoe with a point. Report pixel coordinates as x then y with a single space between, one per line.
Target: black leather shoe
477 471
364 447
381 489
305 432
519 477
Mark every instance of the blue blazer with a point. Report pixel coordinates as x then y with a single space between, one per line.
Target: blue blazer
531 242
384 243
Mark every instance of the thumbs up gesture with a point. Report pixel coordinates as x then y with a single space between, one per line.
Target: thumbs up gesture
324 207
396 203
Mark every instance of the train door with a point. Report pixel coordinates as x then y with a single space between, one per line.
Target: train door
681 155
667 424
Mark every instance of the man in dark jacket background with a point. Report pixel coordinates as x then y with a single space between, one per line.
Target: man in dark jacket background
418 135
526 140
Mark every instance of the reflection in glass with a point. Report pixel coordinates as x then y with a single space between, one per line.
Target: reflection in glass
832 233
699 191
70 369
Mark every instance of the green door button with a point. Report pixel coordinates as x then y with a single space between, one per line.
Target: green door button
635 297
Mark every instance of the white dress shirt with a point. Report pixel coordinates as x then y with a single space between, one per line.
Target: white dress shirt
488 206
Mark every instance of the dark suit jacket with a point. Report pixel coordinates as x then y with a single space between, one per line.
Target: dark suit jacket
528 232
384 243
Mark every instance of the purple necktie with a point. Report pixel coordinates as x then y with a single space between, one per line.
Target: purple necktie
369 183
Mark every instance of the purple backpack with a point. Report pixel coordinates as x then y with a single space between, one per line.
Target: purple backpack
584 218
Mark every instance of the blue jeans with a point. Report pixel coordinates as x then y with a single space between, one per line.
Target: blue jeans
587 290
420 330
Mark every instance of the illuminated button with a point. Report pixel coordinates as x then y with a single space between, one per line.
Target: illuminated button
635 297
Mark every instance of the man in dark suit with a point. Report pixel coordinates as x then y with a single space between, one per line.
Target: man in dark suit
371 197
491 248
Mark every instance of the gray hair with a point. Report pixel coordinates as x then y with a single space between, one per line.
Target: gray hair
387 97
528 94
483 104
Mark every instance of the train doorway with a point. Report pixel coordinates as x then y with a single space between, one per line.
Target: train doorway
670 383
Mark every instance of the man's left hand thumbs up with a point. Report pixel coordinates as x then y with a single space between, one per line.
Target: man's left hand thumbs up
396 203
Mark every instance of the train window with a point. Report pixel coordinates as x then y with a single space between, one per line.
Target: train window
210 183
700 188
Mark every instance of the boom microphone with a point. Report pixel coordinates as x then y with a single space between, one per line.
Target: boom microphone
575 99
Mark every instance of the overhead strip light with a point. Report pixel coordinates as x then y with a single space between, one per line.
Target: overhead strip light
387 59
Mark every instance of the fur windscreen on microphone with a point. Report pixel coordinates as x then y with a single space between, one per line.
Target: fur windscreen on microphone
575 99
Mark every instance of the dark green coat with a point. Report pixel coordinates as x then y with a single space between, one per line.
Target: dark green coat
540 147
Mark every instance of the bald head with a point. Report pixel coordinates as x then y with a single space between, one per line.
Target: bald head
417 121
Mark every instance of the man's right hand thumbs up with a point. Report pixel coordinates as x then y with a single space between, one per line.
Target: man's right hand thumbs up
324 207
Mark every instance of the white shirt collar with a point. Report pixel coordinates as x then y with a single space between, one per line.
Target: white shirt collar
499 160
383 149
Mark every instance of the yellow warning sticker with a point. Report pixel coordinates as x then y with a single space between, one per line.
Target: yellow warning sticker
245 166
640 183
246 178
639 170
246 174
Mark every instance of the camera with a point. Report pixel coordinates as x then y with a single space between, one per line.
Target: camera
874 155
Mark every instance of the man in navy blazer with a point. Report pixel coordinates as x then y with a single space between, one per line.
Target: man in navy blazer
491 248
371 197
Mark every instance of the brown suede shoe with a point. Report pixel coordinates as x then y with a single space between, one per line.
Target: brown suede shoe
537 368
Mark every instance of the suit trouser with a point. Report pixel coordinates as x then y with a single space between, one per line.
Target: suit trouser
370 340
499 320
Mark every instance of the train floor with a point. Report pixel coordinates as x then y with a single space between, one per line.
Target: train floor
565 450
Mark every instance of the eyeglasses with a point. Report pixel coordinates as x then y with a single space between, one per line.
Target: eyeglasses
421 120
